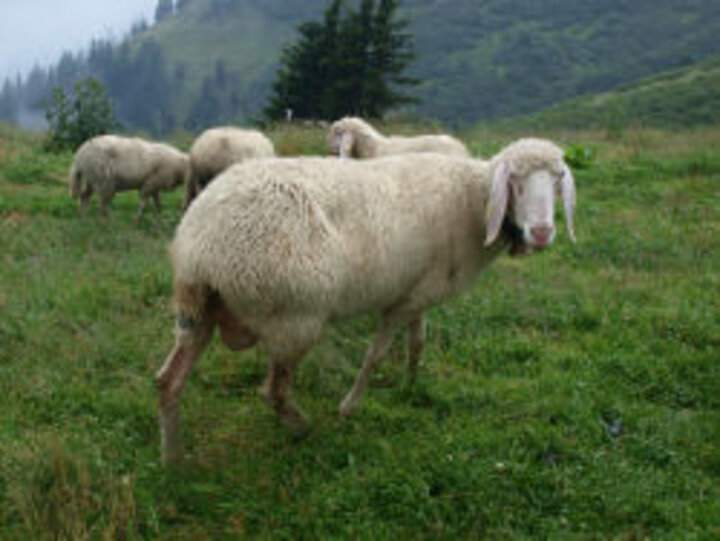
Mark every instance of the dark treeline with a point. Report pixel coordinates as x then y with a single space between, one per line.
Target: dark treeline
138 81
138 78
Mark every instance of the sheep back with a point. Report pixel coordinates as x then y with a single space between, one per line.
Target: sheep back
218 148
369 143
335 237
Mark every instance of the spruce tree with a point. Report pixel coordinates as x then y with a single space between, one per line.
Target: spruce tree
9 103
390 56
307 69
163 10
351 62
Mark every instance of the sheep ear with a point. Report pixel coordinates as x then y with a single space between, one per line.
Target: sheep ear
346 144
497 204
569 197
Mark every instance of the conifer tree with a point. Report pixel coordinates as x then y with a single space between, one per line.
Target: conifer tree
306 69
390 56
9 103
350 62
163 10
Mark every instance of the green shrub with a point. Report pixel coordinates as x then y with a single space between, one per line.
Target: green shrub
580 156
74 120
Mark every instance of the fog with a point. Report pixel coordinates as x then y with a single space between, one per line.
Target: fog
37 32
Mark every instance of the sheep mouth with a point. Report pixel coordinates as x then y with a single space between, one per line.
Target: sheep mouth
516 238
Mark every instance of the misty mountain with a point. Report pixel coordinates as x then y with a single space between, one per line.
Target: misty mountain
477 61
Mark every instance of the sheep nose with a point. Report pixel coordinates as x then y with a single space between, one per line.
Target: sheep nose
541 234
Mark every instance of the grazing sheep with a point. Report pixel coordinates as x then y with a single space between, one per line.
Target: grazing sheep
107 164
274 249
353 137
218 148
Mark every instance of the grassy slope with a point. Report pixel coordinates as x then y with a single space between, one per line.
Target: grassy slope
683 97
572 392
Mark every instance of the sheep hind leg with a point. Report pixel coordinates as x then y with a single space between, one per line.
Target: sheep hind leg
293 341
378 350
192 338
416 341
85 196
276 391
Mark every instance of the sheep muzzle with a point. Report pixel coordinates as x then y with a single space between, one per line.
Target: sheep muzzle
515 236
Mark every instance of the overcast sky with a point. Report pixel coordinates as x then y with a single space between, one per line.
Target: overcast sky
39 31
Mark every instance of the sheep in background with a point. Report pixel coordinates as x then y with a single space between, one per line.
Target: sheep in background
107 164
218 148
353 137
273 250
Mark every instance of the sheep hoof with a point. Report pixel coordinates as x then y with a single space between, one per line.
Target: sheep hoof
347 406
296 422
291 417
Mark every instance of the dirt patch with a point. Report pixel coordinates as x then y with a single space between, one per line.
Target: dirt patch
14 219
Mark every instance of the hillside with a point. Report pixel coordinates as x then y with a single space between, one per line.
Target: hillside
246 36
477 60
687 96
215 60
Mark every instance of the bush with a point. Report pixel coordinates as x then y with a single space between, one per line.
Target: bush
580 156
74 120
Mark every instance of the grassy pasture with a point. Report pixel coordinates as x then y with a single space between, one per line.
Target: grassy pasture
571 394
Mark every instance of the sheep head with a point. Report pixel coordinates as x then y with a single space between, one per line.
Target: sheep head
341 139
526 176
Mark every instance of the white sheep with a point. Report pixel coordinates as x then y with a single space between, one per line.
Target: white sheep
275 249
218 148
352 137
107 164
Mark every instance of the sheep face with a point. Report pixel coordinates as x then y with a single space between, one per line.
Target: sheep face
532 208
340 141
528 202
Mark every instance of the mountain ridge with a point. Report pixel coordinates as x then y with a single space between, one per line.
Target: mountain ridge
477 61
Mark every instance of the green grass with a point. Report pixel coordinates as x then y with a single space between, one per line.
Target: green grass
571 394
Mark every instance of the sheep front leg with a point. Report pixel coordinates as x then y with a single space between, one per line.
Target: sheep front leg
192 338
145 192
105 198
416 341
141 207
378 350
191 191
